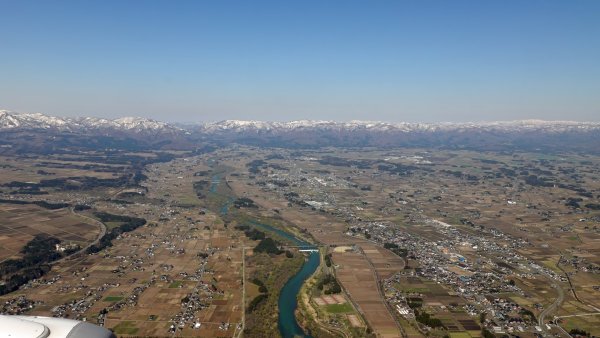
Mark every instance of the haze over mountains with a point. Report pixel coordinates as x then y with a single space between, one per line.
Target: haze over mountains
141 132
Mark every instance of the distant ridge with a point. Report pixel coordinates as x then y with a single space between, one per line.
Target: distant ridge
48 133
241 125
12 120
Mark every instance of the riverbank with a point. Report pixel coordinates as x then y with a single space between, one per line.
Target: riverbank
277 280
272 273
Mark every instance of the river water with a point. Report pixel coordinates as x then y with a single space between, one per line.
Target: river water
288 326
287 303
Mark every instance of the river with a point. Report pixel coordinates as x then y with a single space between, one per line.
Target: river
287 302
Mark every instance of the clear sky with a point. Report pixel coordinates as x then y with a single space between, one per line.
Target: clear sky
413 61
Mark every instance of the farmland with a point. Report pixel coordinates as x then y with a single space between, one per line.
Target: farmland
20 223
349 200
412 242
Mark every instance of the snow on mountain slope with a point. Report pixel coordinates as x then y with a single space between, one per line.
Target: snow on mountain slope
11 120
140 123
376 126
8 121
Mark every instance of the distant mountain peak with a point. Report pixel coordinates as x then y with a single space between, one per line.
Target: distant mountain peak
11 120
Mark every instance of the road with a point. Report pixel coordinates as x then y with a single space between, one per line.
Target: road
382 294
240 333
557 303
553 307
573 288
326 327
581 315
100 235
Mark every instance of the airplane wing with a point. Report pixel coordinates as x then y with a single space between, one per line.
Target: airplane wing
48 327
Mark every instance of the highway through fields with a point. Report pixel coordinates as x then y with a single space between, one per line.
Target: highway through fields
553 307
83 250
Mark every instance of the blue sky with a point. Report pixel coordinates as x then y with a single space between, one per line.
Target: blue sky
283 60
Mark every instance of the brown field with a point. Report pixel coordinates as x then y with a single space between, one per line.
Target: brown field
357 277
27 169
329 299
20 223
354 321
385 262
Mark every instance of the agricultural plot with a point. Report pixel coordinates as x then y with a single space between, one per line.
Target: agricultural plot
20 223
44 168
181 272
385 262
358 279
329 193
526 219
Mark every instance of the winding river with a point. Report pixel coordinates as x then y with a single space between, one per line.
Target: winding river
287 302
288 326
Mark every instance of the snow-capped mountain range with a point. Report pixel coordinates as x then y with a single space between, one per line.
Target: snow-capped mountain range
11 120
377 126
45 131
